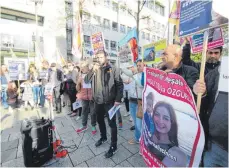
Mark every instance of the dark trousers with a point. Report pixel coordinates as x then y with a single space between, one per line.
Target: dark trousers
126 100
101 110
72 97
57 100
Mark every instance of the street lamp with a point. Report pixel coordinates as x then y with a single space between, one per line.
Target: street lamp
36 2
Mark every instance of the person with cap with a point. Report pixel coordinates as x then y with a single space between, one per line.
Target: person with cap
55 77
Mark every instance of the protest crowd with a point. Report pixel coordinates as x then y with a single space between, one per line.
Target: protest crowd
102 88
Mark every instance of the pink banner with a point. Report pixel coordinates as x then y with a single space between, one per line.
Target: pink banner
215 39
172 135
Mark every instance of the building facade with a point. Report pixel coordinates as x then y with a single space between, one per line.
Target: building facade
55 19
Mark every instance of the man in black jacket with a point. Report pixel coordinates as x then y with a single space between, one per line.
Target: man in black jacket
171 58
107 91
212 58
216 117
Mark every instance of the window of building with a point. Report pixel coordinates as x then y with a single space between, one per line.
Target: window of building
87 40
69 40
115 26
130 12
163 26
97 18
158 38
150 4
68 8
154 23
107 44
107 3
113 45
160 9
147 36
115 6
123 9
153 38
19 16
86 16
143 35
106 23
122 28
128 29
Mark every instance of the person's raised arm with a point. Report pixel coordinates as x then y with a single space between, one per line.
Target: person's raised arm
119 85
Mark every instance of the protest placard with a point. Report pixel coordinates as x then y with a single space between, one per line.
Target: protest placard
131 40
199 15
48 89
125 56
224 75
172 134
215 39
97 42
151 53
17 70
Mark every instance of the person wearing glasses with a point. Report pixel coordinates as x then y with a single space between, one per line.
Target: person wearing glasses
212 58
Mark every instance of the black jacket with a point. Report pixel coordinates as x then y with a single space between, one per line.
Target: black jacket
207 105
187 60
112 85
189 74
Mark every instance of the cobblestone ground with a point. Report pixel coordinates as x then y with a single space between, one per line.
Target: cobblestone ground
84 154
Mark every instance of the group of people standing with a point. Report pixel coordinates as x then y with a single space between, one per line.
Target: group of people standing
100 86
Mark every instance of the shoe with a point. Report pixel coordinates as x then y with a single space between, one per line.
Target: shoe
130 120
126 114
63 105
93 131
78 117
132 128
73 115
132 142
100 142
82 129
111 152
120 126
69 113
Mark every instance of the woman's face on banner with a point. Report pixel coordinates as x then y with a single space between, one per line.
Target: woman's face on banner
162 120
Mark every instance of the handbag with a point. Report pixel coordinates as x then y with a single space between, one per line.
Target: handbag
140 110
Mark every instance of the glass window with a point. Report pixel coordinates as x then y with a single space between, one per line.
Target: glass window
128 29
69 40
123 9
153 38
143 35
107 44
122 28
158 38
97 18
130 12
115 26
113 45
160 9
87 40
115 6
163 26
147 36
106 23
86 16
107 3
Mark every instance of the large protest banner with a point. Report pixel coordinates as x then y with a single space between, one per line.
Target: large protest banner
97 42
172 134
151 53
132 41
17 69
215 40
198 15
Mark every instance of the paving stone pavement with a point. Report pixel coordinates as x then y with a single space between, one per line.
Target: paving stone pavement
82 153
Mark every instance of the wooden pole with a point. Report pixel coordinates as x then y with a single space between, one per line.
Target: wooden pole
202 68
